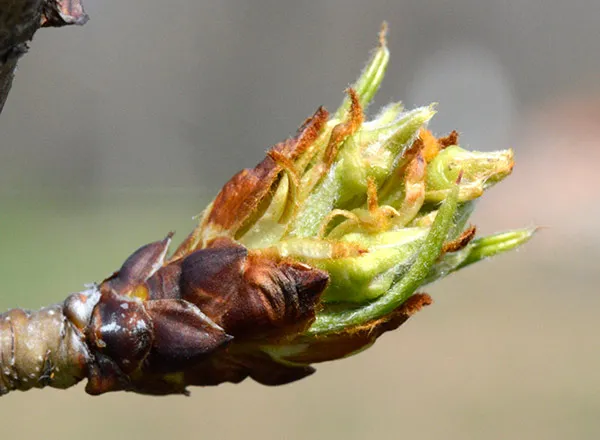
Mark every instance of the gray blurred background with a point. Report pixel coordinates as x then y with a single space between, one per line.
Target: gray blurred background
122 130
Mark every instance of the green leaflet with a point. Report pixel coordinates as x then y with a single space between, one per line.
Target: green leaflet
424 260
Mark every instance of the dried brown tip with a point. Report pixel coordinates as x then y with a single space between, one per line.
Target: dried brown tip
341 131
372 200
415 303
448 140
356 111
461 242
383 34
460 176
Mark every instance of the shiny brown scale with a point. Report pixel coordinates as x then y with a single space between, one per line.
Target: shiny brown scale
121 329
152 320
247 293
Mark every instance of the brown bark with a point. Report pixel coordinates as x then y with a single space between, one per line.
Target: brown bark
19 20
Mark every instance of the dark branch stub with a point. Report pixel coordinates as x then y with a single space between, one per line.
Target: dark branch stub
19 20
63 13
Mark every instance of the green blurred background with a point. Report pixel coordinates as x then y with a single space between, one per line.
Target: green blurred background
120 131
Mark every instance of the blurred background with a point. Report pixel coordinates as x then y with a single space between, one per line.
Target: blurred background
117 132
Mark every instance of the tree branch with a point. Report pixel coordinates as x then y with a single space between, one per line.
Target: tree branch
19 20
